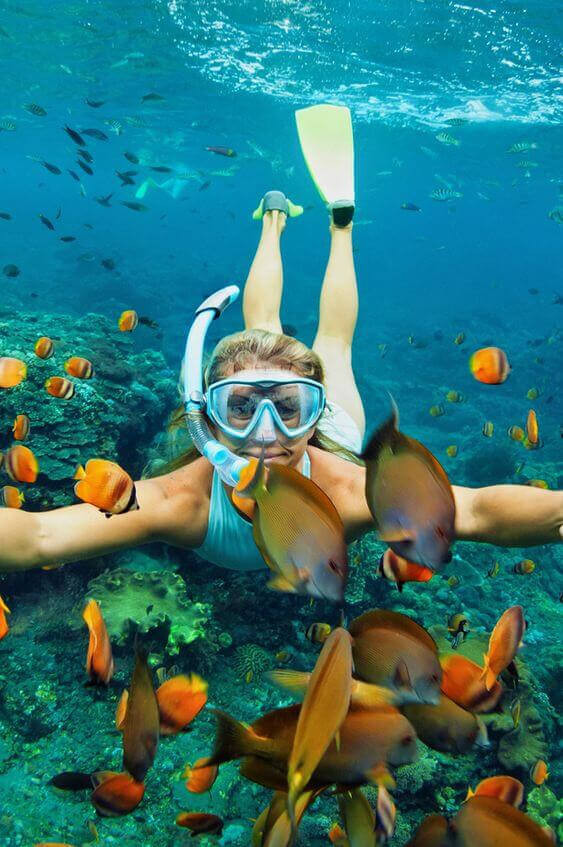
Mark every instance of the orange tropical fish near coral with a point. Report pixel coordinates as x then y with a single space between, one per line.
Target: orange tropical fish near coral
399 570
12 371
11 497
199 822
505 788
99 660
116 793
21 427
4 628
539 772
200 777
180 699
21 464
463 683
60 387
504 642
489 365
106 485
78 367
44 347
128 320
532 430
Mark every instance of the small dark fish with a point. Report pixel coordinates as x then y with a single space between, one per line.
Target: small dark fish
109 264
34 109
51 168
76 137
95 133
11 270
149 608
533 291
137 207
557 300
148 322
222 151
410 207
104 201
6 216
95 104
58 215
46 222
152 96
67 238
72 781
86 156
131 158
204 185
34 294
161 169
125 178
74 175
86 168
88 226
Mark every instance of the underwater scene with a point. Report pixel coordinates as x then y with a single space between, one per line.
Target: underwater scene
374 528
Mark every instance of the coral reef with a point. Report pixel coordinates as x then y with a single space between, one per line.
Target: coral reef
546 809
250 661
113 415
138 601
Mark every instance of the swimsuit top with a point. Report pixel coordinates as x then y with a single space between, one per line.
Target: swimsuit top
229 541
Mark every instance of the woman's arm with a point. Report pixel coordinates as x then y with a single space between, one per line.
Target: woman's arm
509 515
169 510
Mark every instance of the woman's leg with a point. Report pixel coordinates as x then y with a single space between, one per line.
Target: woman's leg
263 289
338 313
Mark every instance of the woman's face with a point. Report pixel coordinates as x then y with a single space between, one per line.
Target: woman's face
277 447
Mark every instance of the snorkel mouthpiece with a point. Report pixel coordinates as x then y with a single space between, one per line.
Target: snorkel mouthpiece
227 464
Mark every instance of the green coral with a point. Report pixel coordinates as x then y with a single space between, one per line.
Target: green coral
411 778
250 661
546 809
134 601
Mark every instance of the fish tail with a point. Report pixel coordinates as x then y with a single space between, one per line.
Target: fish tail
233 739
294 681
385 435
487 674
369 696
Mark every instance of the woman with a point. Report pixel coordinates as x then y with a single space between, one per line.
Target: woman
191 508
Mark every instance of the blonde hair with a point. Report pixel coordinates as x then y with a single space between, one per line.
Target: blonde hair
237 352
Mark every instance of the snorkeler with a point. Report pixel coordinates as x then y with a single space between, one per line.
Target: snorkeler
264 389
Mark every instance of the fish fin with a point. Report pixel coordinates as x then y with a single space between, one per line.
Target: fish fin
488 675
385 436
368 696
401 677
387 619
80 473
482 739
295 681
337 740
233 739
381 775
280 583
470 794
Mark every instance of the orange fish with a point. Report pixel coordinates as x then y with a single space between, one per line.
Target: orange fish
198 822
323 710
505 788
446 727
432 832
78 367
399 570
59 386
44 347
116 793
12 372
537 483
516 433
99 660
106 485
21 427
532 430
362 694
318 632
337 836
462 682
200 777
180 699
141 725
21 464
392 650
488 822
539 772
128 320
409 496
525 566
504 642
121 710
11 497
489 365
4 628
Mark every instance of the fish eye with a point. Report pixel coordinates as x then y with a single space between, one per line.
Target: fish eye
440 533
334 566
408 739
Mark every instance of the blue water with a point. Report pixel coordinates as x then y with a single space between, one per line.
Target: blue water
232 74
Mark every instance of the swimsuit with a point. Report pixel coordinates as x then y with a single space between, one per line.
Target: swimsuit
229 541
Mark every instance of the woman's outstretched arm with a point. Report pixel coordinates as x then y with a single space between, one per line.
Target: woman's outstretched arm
509 515
169 510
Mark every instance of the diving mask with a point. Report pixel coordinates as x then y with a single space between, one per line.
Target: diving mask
249 401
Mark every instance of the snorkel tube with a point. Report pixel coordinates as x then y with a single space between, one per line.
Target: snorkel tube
227 464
